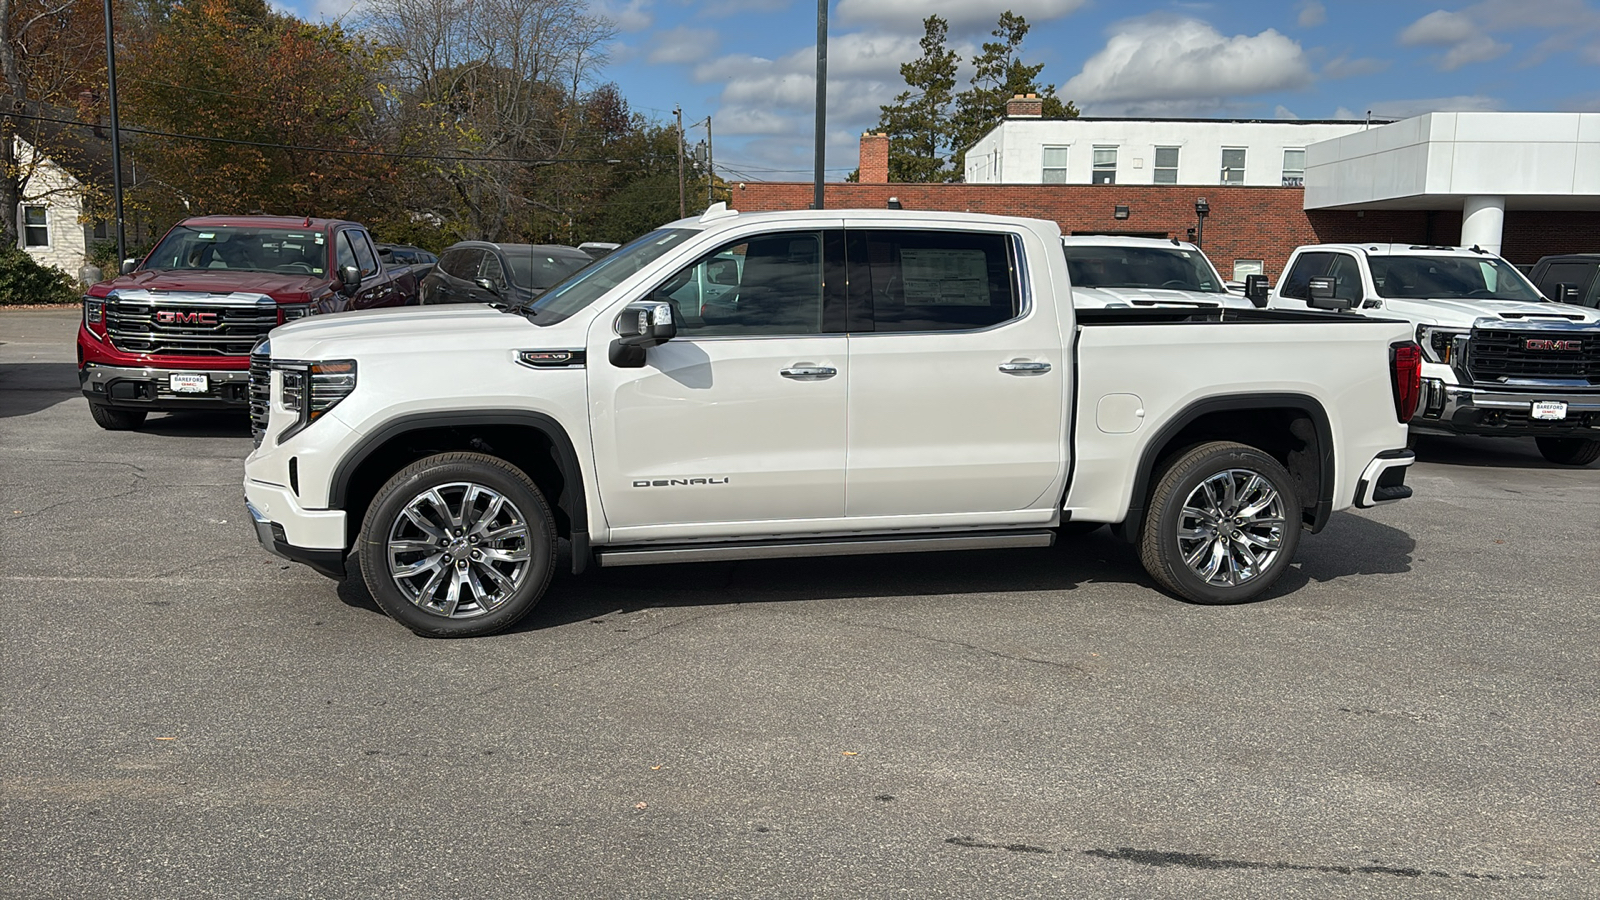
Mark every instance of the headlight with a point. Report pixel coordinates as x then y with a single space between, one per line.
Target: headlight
310 389
94 312
1441 345
293 311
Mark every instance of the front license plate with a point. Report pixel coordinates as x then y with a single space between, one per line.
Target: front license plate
1550 410
189 384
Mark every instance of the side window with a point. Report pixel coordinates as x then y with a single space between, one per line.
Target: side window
462 264
364 252
492 270
933 280
347 253
771 284
1346 274
1306 267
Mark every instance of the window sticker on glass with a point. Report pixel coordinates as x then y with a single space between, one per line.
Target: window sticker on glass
319 237
207 236
945 277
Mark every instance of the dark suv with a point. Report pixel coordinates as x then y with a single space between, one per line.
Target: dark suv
1578 273
484 272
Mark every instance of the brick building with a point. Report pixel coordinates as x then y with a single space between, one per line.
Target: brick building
1406 182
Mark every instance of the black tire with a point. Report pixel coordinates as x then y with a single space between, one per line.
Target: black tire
112 419
456 547
1233 539
1569 451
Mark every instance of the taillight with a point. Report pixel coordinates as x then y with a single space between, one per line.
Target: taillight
1405 373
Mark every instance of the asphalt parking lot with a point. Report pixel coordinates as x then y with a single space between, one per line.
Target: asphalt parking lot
1412 712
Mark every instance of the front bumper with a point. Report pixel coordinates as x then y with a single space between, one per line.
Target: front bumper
1460 409
151 388
315 537
1384 479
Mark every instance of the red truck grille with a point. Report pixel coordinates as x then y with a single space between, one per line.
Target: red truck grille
210 329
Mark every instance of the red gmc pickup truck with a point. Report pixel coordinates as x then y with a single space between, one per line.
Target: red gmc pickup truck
174 330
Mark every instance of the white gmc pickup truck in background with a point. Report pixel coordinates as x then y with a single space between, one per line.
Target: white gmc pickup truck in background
859 381
1498 357
1112 271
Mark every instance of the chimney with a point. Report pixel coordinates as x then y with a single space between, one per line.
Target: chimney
1024 107
874 158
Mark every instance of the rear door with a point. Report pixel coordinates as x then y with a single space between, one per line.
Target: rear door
958 378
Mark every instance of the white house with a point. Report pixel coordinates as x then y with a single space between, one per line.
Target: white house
52 218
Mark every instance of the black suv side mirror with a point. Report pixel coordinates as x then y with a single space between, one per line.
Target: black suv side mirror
1255 290
349 279
487 285
640 325
1566 293
1319 294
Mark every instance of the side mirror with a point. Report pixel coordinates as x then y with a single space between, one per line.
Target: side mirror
1319 294
640 325
487 285
1255 289
349 279
1566 293
129 265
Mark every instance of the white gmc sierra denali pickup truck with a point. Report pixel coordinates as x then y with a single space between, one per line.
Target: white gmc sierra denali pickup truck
862 381
1498 357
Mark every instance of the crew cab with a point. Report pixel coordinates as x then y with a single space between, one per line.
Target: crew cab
871 381
1115 271
174 330
1499 358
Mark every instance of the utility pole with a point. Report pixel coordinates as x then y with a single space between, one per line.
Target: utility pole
822 102
682 210
116 137
711 167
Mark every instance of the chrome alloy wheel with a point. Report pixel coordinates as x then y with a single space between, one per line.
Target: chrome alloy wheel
1231 527
458 550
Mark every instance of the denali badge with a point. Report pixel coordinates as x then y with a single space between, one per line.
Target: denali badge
672 482
1547 344
174 317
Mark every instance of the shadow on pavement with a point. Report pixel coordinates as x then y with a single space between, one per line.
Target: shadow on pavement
218 424
1485 452
26 388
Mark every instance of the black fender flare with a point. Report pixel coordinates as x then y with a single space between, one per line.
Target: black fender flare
1128 527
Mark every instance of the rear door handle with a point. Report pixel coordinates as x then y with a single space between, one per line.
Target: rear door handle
809 373
1025 368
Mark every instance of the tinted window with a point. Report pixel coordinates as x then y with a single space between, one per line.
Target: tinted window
284 250
1175 268
1306 267
1346 274
462 264
1576 274
770 284
492 270
1449 278
536 269
932 280
364 252
347 252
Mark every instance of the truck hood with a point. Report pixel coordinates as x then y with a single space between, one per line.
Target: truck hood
448 327
1105 297
1463 313
280 287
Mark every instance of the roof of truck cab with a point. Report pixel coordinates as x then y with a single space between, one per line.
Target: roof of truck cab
714 218
263 222
1402 250
1120 240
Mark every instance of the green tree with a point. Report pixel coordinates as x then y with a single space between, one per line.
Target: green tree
918 121
999 74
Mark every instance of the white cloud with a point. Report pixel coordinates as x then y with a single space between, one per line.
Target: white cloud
1458 32
907 15
724 8
1345 67
1312 14
629 15
1161 62
683 45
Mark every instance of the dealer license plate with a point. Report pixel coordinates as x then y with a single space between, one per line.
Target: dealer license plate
189 384
1551 410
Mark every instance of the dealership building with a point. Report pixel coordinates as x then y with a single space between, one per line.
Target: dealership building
1521 184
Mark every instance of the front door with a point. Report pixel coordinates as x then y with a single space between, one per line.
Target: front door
740 420
957 385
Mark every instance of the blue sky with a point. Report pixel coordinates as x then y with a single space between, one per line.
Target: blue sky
749 64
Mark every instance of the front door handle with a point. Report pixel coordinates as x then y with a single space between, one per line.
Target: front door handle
809 373
1025 368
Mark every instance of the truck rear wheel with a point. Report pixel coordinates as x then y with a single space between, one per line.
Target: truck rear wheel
1222 524
112 419
1569 451
458 545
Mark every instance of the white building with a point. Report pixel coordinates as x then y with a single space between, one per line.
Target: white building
51 219
1026 149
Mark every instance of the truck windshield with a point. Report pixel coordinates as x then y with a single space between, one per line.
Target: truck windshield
1175 269
222 247
588 285
1450 278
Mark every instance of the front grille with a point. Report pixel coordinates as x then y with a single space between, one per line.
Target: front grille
1495 354
148 326
260 395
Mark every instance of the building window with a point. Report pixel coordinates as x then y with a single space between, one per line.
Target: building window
1233 165
1294 168
1055 165
1105 166
35 227
1166 168
1244 268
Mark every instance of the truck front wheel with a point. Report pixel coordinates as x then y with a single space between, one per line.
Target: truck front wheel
1223 523
1569 451
458 545
116 419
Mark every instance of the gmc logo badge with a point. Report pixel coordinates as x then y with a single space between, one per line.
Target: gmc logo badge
1546 344
174 317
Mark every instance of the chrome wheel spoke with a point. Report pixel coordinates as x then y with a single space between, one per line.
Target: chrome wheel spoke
482 521
505 584
414 546
1230 527
415 517
520 554
504 534
427 564
459 550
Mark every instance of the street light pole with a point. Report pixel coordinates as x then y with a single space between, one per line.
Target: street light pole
822 102
116 136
